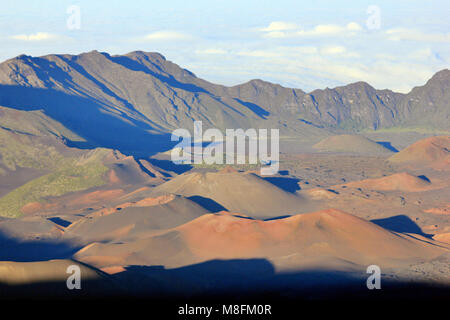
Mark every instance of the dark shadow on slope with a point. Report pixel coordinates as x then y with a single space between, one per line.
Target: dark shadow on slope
260 112
235 279
401 223
103 87
61 222
310 123
12 249
208 204
168 79
387 145
278 218
285 183
39 292
257 280
168 165
144 169
238 281
90 119
424 177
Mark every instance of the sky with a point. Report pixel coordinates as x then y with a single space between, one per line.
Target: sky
299 44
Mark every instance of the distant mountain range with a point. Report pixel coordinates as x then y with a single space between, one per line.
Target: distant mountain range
129 102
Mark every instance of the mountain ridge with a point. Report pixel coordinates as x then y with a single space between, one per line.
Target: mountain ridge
143 95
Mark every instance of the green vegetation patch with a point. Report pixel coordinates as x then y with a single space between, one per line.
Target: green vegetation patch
21 151
64 180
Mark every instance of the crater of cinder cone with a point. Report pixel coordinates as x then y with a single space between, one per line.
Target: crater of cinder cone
431 152
399 181
240 192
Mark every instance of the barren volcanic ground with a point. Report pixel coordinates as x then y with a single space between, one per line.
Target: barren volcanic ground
86 179
311 230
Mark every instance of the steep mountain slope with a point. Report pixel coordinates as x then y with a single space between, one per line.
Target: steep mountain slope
34 123
428 105
137 98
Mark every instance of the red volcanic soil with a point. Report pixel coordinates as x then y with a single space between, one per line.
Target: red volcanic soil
146 202
228 169
320 194
324 232
397 182
32 207
442 237
97 196
113 178
441 210
35 207
113 269
320 239
431 152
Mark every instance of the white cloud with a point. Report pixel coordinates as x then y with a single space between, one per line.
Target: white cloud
164 35
279 26
415 35
285 29
259 54
211 51
305 50
331 29
39 36
333 50
309 67
421 54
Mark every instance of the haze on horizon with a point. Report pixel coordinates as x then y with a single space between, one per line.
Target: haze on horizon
294 43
